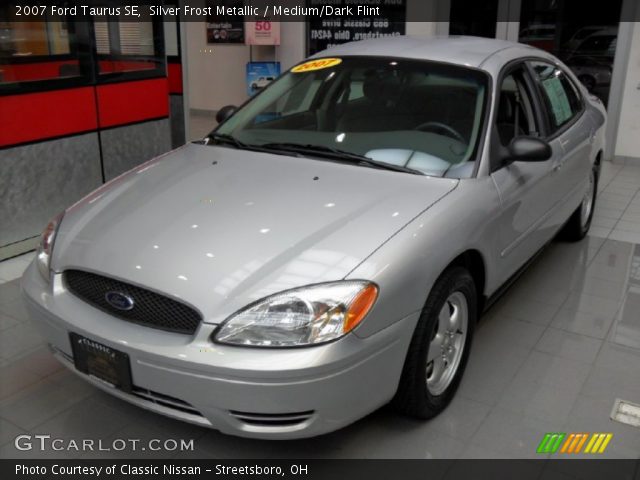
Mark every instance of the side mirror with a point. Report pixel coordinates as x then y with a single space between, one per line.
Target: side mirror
528 149
225 112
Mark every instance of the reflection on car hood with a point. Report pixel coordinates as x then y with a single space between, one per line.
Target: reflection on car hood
220 227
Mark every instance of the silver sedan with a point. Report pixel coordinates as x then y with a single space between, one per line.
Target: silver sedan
329 247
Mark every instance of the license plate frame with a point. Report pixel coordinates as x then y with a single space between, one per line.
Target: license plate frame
107 364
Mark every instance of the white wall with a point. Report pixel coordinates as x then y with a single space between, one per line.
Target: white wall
628 137
293 38
216 73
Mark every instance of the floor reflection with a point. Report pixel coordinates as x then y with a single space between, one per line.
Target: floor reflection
626 328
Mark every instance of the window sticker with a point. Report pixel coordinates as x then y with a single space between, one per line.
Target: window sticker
319 64
558 98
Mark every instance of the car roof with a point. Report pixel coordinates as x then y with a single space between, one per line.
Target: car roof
461 50
605 32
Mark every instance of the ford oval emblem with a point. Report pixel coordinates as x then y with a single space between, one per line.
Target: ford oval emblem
119 300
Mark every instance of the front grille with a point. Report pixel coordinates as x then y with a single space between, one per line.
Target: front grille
272 419
149 308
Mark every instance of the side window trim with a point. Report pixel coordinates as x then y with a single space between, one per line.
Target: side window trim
539 107
534 100
574 86
495 144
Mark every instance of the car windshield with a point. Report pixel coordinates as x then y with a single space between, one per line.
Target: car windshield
423 116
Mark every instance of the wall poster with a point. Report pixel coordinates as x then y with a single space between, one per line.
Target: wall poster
225 29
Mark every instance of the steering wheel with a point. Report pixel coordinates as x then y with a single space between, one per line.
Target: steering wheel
438 126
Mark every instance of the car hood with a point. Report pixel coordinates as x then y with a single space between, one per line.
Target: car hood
219 227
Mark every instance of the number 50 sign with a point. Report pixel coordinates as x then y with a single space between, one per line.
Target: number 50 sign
262 32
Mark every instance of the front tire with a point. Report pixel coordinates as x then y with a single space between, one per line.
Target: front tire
440 346
580 221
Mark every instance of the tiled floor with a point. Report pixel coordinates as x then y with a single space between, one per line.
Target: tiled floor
617 214
551 356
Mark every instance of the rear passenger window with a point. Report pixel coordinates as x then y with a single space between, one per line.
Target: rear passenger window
561 96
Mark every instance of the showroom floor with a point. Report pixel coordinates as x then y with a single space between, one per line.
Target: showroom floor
552 356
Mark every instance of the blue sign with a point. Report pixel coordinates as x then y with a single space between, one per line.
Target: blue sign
261 74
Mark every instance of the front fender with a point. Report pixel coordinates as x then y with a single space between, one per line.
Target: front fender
407 265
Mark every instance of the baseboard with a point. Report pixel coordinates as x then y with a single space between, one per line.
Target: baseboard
624 160
18 248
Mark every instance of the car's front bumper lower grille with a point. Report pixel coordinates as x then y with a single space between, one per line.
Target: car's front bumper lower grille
272 419
165 400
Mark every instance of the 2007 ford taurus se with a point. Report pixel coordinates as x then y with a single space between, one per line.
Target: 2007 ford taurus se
330 246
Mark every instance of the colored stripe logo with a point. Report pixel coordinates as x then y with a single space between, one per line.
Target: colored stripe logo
593 443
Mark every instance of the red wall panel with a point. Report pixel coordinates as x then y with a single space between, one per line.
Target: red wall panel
111 66
38 116
129 102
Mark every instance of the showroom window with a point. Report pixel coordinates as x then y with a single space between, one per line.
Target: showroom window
561 97
473 18
50 53
35 51
587 47
127 46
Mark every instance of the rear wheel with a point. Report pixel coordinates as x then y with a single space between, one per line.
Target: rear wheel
580 221
440 346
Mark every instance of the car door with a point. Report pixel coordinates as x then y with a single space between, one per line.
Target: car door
525 188
571 129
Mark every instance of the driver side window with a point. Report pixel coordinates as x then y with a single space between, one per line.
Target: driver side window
515 115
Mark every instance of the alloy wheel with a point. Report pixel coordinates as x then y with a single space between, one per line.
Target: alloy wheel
447 343
587 201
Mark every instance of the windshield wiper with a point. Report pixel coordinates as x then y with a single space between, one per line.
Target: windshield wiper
225 138
342 155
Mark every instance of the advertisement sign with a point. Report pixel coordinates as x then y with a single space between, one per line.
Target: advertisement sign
261 74
262 32
324 33
228 29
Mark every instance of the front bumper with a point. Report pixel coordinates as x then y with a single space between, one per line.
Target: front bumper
259 393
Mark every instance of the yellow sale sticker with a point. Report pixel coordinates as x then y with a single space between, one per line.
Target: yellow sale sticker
319 64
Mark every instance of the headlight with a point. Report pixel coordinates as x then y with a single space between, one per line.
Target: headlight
304 316
45 247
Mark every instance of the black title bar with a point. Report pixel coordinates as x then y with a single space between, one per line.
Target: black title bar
583 11
324 469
